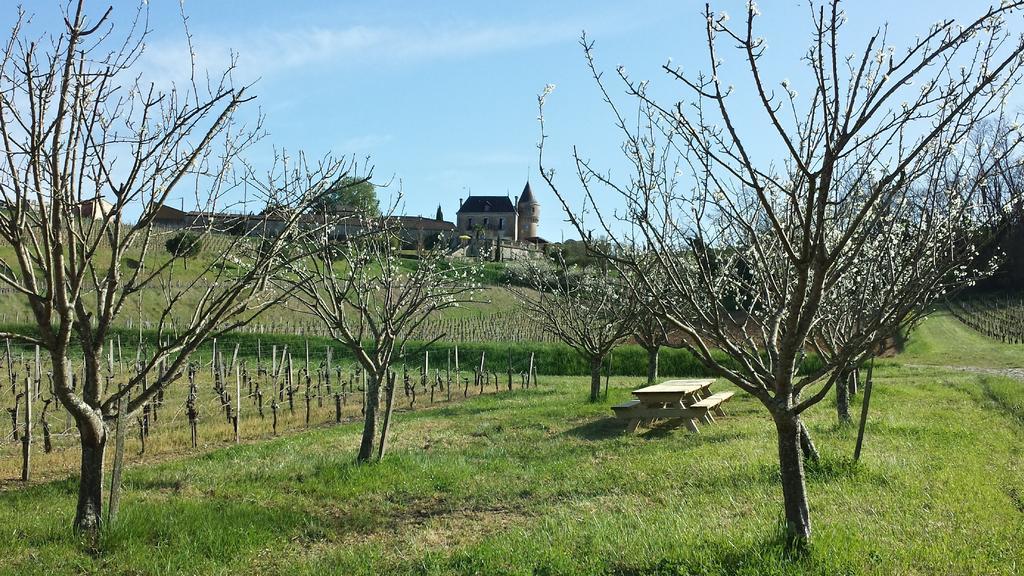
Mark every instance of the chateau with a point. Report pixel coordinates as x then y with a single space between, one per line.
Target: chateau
501 218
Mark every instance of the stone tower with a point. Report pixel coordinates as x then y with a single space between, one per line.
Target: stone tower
529 215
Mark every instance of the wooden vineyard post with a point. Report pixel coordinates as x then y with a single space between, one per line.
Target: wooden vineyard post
190 405
448 375
290 385
26 438
320 387
327 370
10 367
213 363
457 372
234 357
426 374
308 399
337 407
529 370
482 375
864 410
238 400
509 369
38 375
273 361
120 432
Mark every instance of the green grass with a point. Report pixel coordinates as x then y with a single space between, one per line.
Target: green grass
942 340
541 482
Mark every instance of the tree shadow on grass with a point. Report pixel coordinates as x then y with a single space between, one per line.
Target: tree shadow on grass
610 427
772 555
600 429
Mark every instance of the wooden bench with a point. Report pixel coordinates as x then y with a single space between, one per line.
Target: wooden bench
622 410
713 404
638 413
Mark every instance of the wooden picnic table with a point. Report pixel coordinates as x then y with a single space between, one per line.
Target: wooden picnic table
673 393
679 401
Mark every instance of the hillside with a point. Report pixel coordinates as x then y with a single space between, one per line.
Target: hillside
496 306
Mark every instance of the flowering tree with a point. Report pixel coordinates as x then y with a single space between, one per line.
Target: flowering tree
587 309
875 184
373 300
87 146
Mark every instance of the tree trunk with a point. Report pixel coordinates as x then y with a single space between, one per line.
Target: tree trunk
807 445
389 405
595 378
652 364
370 409
794 490
88 517
843 398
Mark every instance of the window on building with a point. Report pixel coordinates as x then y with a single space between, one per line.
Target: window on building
485 222
501 223
469 224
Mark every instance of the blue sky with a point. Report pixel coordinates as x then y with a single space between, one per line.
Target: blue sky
442 95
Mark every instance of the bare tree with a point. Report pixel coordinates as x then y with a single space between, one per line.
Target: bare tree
373 300
87 148
875 167
586 309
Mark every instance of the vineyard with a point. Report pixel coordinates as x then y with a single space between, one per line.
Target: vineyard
231 393
1000 317
502 326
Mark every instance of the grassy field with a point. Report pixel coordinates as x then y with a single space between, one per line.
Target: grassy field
942 340
541 482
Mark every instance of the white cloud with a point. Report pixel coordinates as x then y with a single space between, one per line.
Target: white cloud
265 53
360 144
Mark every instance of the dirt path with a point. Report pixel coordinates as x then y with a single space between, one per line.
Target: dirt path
1015 373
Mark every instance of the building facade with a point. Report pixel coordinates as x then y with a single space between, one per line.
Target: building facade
500 218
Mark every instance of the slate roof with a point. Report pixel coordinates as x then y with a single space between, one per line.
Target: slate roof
487 204
421 223
527 196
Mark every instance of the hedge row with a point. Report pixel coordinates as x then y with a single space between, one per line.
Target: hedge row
549 359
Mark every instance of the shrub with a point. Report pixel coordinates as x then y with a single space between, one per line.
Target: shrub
185 244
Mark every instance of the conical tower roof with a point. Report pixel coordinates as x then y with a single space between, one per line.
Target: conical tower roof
527 196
